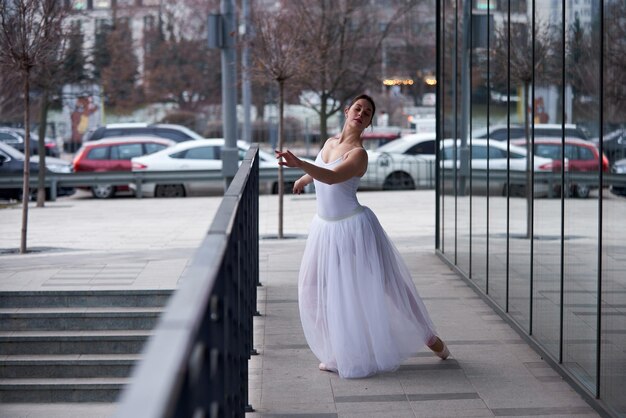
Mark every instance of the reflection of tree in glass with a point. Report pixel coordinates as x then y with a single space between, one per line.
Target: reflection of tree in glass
544 61
519 56
584 56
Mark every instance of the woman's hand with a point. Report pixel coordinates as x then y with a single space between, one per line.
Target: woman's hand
290 160
298 186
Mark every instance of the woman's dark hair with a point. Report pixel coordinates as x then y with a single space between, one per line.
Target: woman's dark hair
369 99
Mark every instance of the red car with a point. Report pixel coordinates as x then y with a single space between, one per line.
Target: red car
582 156
114 154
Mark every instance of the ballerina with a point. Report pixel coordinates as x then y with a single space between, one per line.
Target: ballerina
360 311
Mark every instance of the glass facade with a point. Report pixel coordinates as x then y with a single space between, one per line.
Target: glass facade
532 175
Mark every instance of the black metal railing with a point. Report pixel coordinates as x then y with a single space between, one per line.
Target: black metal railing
268 177
196 363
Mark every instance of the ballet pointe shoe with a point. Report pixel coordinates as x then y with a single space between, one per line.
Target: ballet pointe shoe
440 349
444 353
323 367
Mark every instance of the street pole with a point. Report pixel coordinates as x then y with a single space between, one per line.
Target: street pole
246 93
230 154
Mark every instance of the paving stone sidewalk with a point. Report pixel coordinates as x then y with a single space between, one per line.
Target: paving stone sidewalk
130 244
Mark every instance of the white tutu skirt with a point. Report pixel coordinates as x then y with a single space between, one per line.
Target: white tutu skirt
360 311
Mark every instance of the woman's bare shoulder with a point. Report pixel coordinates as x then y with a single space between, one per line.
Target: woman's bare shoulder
332 141
357 151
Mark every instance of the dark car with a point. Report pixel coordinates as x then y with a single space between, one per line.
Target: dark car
619 168
176 133
12 164
114 154
613 145
582 156
15 138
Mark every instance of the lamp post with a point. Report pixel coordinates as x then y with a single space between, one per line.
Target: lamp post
221 34
246 95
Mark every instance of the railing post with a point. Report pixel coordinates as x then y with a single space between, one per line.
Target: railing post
53 189
138 186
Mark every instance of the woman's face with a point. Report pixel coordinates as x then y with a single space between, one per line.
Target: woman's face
359 114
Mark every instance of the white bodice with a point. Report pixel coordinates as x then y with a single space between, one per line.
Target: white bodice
336 201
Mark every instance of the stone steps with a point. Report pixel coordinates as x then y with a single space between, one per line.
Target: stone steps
65 367
77 298
61 390
78 318
73 346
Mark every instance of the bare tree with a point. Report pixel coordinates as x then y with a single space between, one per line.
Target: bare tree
615 62
584 56
120 75
29 30
47 79
179 66
343 39
280 55
10 100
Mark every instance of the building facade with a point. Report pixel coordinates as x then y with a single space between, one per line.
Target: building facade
542 243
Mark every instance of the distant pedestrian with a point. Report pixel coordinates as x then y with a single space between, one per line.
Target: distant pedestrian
359 308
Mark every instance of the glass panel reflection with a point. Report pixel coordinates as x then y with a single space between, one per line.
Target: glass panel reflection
448 104
543 257
613 321
580 271
548 211
497 135
463 209
479 111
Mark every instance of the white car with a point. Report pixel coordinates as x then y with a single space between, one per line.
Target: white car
405 163
201 155
500 157
515 131
409 163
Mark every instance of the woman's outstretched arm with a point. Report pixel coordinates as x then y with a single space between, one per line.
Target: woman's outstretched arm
353 165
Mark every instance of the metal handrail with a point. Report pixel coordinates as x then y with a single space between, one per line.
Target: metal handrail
196 363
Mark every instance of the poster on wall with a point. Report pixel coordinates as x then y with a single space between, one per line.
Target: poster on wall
82 109
546 100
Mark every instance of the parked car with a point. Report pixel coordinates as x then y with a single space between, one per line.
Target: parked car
15 138
176 133
405 163
613 145
582 156
423 144
12 164
495 157
619 168
201 155
380 135
501 133
114 154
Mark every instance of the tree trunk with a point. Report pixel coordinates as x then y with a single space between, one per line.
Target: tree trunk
323 120
25 185
529 167
41 146
281 186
